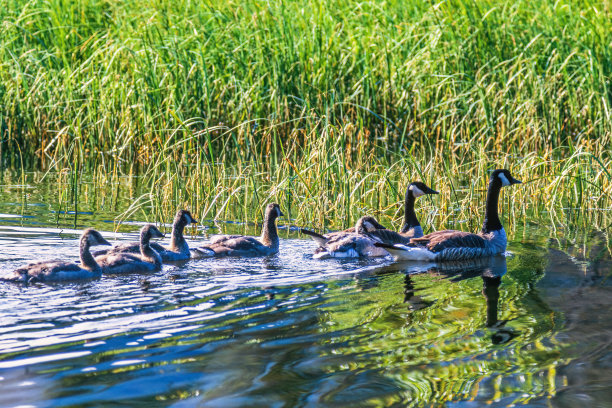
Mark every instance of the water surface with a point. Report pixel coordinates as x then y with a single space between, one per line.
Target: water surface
531 329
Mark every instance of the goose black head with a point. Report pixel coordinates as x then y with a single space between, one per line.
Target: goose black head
273 210
418 189
503 178
94 237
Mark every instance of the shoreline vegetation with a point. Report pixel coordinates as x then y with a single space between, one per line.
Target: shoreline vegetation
329 108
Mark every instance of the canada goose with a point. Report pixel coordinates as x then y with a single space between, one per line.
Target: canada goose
451 245
411 227
348 244
178 249
57 270
123 262
240 245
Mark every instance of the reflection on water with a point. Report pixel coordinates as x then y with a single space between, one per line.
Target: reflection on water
532 328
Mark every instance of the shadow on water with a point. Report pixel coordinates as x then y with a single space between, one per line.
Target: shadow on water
288 330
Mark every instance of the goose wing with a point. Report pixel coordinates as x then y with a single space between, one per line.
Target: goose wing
388 237
40 271
235 245
129 248
117 259
222 238
441 240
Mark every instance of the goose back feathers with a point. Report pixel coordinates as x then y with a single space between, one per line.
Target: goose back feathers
147 261
349 244
245 246
60 270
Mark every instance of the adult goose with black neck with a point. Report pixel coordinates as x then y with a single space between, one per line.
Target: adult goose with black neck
244 246
411 227
451 245
368 225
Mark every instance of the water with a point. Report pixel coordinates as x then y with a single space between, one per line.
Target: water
532 329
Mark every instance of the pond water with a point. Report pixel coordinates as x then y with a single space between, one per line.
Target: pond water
533 328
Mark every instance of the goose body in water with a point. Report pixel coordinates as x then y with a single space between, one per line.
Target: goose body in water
123 262
451 245
58 270
348 244
178 249
411 227
245 246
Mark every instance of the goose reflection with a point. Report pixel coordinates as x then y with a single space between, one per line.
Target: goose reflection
490 270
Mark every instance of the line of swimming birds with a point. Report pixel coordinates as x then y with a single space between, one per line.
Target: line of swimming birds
367 239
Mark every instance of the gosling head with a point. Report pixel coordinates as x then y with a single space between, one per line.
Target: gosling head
367 224
502 178
273 210
417 189
150 231
184 217
94 237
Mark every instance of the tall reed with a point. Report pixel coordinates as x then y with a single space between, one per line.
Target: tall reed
330 107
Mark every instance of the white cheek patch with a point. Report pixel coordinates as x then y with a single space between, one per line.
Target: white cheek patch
278 212
503 179
417 192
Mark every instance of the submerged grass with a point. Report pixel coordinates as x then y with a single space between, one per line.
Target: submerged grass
329 107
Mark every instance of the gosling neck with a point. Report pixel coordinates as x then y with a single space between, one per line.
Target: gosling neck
491 220
87 260
177 241
269 235
148 253
410 218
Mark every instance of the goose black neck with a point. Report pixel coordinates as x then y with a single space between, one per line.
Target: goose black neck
269 235
491 221
87 260
410 218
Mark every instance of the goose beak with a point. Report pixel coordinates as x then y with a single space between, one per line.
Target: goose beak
102 241
431 191
515 181
157 234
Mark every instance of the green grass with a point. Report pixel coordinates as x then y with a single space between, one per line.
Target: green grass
330 107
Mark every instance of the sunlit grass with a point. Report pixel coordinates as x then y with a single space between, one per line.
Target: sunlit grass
329 108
